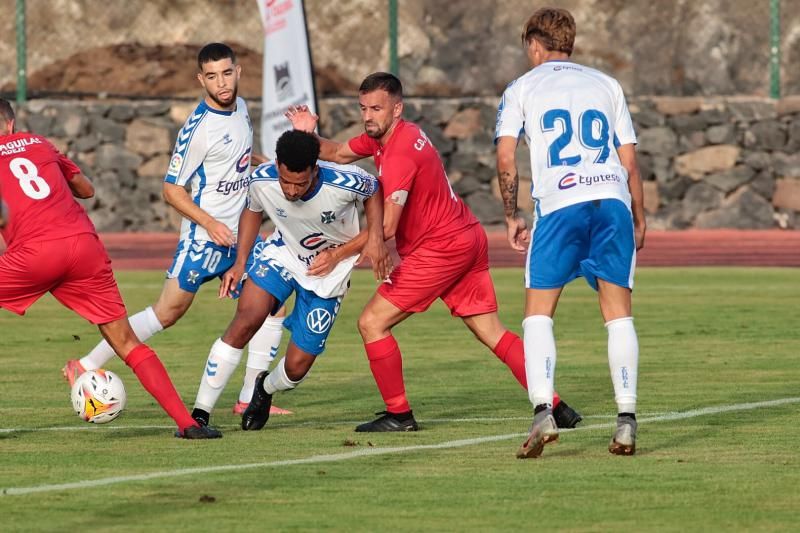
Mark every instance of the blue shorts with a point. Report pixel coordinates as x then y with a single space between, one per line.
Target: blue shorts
591 239
197 262
312 318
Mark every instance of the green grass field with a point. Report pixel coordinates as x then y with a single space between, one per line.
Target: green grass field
709 338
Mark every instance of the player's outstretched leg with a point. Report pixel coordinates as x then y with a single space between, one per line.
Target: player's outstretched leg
154 378
543 431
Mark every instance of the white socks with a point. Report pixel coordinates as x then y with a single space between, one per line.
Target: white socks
278 380
540 358
222 361
623 361
261 351
144 323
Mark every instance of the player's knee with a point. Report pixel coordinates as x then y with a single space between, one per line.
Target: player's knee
365 323
245 324
169 316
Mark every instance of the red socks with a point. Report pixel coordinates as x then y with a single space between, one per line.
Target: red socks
154 378
511 351
386 365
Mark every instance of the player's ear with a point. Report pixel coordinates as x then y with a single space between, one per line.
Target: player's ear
200 79
397 112
238 72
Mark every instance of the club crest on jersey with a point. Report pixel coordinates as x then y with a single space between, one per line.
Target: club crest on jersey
281 212
319 320
226 139
326 217
192 277
567 182
175 164
244 161
313 241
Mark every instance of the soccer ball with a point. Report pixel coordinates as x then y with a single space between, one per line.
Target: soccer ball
98 396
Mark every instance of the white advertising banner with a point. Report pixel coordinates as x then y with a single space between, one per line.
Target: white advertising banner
288 73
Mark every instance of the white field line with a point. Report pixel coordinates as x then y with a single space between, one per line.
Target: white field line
117 427
369 452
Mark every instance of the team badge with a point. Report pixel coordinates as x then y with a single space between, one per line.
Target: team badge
280 212
175 165
226 139
319 320
261 271
192 277
327 217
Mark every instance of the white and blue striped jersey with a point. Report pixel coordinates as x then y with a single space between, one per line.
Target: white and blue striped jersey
326 217
573 118
212 154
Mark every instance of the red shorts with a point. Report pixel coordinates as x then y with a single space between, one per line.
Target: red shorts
76 270
455 270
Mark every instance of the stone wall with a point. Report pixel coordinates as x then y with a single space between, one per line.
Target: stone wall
707 163
452 48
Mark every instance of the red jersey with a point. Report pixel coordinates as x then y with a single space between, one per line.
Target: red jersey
37 201
409 162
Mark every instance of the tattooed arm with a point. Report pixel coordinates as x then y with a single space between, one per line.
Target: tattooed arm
508 178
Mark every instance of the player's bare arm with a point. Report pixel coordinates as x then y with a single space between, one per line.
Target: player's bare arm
303 119
177 197
508 178
375 248
249 225
627 156
80 186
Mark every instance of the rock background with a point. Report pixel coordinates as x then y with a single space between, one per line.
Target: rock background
453 48
707 162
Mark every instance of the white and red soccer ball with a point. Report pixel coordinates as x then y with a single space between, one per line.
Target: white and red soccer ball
98 396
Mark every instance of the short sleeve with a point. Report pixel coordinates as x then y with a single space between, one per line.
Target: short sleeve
623 124
253 203
362 145
398 174
190 151
510 118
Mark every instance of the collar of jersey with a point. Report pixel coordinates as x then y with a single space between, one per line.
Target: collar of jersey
313 192
215 111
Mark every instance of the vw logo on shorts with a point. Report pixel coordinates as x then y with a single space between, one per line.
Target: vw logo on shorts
319 320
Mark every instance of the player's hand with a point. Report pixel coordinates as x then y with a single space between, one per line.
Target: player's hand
324 263
518 234
380 258
302 118
638 233
220 234
228 286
